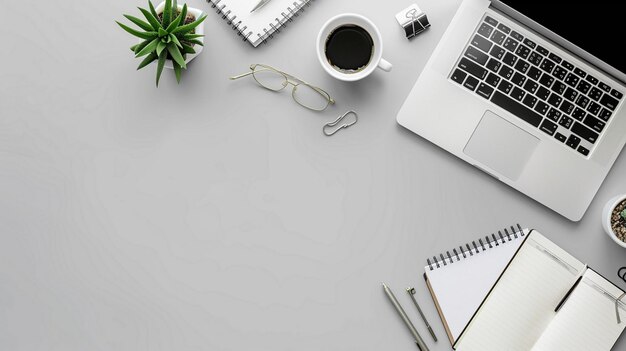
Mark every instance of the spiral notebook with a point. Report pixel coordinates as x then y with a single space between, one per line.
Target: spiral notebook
475 267
261 25
538 298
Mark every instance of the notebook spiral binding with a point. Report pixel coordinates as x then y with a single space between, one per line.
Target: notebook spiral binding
475 248
293 11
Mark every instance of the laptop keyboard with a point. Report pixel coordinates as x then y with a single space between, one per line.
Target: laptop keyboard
536 85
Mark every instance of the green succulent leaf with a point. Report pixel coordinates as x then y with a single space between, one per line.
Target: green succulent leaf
149 48
623 214
132 48
176 55
162 32
152 10
140 23
142 35
141 45
190 36
154 21
167 13
177 71
147 60
160 47
176 41
189 27
183 14
160 65
188 49
173 25
196 41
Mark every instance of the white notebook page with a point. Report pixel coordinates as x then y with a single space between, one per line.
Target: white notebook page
522 303
587 320
259 22
460 287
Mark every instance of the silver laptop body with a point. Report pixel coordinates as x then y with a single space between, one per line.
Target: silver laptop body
552 144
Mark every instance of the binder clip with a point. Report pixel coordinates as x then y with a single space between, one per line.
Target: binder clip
413 20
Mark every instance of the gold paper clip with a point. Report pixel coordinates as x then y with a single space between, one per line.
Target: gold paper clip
339 119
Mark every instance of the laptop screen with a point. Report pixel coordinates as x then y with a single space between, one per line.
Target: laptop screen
597 27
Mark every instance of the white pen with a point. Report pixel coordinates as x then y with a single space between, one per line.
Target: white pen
418 339
259 5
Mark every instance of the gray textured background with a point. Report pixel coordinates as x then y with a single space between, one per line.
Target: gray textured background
215 215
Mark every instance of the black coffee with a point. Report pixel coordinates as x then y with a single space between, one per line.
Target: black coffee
349 48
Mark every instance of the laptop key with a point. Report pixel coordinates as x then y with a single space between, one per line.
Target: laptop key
594 123
609 102
591 79
481 43
505 86
555 100
522 51
548 127
458 76
516 108
471 83
510 44
560 72
554 57
518 79
567 65
485 30
582 101
594 108
484 90
560 137
476 55
604 87
491 21
570 94
506 72
584 132
531 86
535 58
472 68
497 52
580 72
571 79
572 141
498 37
579 114
595 93
515 35
566 122
492 79
504 28
616 94
493 65
559 87
518 94
546 80
547 65
509 59
529 101
583 87
554 114
534 73
530 43
542 50
543 93
605 114
541 107
583 150
567 107
522 66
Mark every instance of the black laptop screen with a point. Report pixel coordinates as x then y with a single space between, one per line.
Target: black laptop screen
597 27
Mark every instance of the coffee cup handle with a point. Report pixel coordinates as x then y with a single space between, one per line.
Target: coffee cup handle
385 65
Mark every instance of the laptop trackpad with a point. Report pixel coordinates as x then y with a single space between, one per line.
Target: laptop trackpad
501 145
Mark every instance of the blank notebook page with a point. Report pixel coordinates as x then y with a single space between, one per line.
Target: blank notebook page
460 287
522 303
587 320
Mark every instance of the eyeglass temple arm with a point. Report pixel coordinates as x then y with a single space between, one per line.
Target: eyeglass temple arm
241 76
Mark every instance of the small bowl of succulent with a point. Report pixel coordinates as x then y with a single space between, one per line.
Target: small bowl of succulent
614 219
170 35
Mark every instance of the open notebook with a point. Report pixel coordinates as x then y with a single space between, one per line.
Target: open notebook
258 26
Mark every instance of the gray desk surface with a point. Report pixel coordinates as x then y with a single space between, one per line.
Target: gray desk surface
215 215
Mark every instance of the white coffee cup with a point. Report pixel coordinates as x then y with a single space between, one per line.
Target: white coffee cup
377 55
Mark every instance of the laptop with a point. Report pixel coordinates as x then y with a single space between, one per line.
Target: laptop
529 93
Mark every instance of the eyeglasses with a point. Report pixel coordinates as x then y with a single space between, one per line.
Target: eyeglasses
303 93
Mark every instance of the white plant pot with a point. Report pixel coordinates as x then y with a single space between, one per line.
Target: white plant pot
606 218
199 30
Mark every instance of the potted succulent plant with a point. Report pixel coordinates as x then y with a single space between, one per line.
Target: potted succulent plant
614 219
171 35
